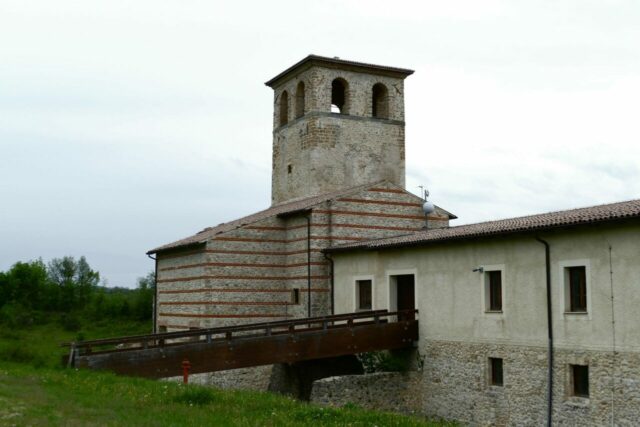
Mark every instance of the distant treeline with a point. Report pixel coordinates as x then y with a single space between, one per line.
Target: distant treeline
68 289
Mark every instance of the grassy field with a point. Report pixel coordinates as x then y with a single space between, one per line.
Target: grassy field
39 345
36 390
44 396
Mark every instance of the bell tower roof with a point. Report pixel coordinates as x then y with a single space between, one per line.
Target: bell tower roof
326 62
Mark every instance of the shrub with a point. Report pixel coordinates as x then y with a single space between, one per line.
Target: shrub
22 355
383 361
70 322
15 315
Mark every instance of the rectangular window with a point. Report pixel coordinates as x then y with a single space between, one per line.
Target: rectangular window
494 279
295 296
364 297
580 380
577 289
495 371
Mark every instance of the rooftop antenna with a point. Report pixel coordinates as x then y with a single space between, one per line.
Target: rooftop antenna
427 207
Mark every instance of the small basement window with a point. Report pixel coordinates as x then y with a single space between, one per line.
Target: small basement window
289 168
579 380
495 372
493 290
576 278
363 295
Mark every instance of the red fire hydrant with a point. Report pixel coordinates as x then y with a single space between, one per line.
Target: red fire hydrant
185 371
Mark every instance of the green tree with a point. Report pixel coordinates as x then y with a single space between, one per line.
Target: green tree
143 306
24 283
75 280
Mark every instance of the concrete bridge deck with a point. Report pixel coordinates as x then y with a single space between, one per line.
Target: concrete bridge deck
217 349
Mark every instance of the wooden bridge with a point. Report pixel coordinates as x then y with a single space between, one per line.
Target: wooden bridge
217 349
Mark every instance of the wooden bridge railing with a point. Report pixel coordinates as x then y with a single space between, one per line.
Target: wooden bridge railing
248 345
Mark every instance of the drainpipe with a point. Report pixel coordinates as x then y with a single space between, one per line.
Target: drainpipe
308 264
155 296
549 333
328 258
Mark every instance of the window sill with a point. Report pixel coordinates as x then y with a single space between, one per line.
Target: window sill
576 313
577 401
493 312
495 390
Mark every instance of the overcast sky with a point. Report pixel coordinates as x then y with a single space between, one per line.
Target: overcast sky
125 125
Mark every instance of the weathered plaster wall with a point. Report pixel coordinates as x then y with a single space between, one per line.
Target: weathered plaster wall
458 336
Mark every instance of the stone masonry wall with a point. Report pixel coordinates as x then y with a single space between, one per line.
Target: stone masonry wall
324 151
382 391
257 378
456 386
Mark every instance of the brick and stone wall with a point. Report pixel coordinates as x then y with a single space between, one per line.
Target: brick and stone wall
248 274
323 151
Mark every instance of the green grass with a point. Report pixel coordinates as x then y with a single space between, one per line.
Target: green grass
39 345
45 396
36 390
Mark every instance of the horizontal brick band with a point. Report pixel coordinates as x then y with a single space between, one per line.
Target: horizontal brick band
179 255
387 190
261 227
240 264
284 278
239 290
357 226
249 239
238 303
300 239
239 252
224 316
177 326
381 215
380 202
375 227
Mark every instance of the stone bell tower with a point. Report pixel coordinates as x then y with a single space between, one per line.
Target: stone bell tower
336 124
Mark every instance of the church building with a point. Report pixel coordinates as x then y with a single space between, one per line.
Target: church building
338 177
522 321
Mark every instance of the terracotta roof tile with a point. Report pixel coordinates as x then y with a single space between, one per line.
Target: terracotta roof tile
573 217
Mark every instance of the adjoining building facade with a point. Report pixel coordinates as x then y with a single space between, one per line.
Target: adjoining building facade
481 290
